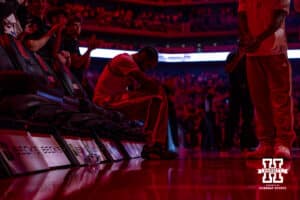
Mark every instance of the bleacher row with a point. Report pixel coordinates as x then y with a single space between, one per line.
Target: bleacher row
47 121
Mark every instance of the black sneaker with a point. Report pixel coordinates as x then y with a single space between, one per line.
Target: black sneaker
157 152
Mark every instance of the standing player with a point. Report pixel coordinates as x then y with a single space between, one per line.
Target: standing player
262 28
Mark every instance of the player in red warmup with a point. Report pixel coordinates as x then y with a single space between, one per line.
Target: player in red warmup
146 101
262 28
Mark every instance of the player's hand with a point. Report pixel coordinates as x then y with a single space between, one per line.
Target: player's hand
64 58
249 43
253 45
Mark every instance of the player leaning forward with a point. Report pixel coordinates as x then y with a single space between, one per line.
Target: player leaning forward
262 29
146 100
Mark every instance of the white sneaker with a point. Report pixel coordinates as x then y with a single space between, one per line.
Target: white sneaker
281 151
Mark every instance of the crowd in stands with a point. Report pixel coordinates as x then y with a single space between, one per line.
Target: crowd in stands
201 103
210 17
187 19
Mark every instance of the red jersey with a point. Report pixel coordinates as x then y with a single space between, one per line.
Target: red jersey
114 79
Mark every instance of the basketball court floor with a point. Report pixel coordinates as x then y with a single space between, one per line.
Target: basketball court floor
194 176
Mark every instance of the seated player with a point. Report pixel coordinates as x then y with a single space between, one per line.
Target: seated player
146 101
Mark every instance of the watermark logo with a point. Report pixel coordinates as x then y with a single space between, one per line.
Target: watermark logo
272 172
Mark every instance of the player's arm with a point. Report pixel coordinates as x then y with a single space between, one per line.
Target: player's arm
36 44
83 61
277 20
58 40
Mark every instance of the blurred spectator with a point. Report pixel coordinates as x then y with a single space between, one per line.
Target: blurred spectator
9 22
200 116
38 36
57 16
70 43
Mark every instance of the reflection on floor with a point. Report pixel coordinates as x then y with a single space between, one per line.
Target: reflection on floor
211 176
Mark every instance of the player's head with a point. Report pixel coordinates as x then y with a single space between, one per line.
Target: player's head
147 58
73 27
7 18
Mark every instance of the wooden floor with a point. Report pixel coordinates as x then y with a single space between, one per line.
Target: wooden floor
196 175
